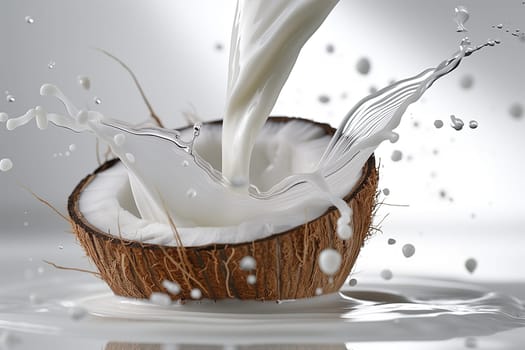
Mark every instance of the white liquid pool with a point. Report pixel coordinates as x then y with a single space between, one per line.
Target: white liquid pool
59 309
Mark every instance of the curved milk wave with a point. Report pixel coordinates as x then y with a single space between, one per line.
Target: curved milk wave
194 194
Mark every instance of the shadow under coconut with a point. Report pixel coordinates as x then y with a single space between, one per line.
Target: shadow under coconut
136 346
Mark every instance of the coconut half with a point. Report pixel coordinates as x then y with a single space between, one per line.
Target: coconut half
286 263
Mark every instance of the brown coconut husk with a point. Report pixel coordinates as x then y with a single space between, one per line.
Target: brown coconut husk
287 266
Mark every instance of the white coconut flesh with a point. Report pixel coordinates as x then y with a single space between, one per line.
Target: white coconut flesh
282 149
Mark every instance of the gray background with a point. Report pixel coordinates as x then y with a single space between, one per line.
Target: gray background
172 48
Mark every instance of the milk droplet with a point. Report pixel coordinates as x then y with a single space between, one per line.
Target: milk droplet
438 123
318 291
197 129
67 154
473 124
6 164
51 64
196 293
396 156
329 261
248 263
97 100
386 274
516 110
457 123
130 157
251 279
352 282
191 193
84 82
323 99
461 17
119 139
3 117
72 147
239 181
29 20
386 191
408 250
8 340
185 163
465 42
393 137
35 299
171 287
471 343
466 81
161 299
471 264
82 117
391 241
342 221
10 98
363 66
344 231
76 313
499 26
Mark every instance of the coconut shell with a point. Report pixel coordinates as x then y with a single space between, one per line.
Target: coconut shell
287 266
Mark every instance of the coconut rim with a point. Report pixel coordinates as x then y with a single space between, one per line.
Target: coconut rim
78 219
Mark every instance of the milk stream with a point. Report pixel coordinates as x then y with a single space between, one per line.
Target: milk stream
267 37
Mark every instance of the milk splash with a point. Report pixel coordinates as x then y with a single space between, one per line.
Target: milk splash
461 17
170 180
